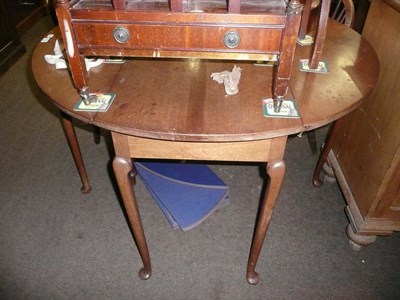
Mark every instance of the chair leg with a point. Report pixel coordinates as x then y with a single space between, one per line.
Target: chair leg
321 33
329 142
96 135
312 140
305 19
282 76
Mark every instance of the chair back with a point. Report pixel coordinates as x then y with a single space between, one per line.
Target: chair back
343 12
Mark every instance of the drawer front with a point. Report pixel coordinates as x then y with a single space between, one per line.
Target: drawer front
203 38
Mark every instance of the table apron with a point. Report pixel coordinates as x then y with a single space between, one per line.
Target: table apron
254 151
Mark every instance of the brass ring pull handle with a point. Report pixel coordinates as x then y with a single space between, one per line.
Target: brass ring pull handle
231 39
121 34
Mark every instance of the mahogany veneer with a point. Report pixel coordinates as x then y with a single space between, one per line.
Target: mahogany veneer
215 29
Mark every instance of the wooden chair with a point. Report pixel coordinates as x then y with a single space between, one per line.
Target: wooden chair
341 11
309 5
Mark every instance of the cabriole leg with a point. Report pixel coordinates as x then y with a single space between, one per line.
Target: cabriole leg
276 172
125 175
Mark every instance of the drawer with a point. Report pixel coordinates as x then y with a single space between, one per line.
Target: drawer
192 38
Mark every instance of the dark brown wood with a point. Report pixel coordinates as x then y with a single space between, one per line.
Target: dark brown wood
11 47
315 94
312 141
124 173
69 130
276 171
205 113
395 4
24 14
234 6
321 87
361 15
96 135
159 39
176 5
270 150
343 12
366 155
305 19
329 142
291 31
75 59
183 114
119 4
267 16
319 40
201 33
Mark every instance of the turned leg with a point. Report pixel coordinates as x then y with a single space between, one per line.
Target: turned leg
357 241
276 171
125 174
282 76
76 60
329 142
69 130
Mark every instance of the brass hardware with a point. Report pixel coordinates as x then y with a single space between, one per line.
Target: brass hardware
121 34
231 39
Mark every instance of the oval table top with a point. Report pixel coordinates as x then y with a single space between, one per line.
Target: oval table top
175 99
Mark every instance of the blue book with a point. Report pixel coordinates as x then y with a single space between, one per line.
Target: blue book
186 193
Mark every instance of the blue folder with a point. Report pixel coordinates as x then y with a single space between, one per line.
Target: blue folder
186 193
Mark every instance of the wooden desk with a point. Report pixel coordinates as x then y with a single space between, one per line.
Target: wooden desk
171 109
